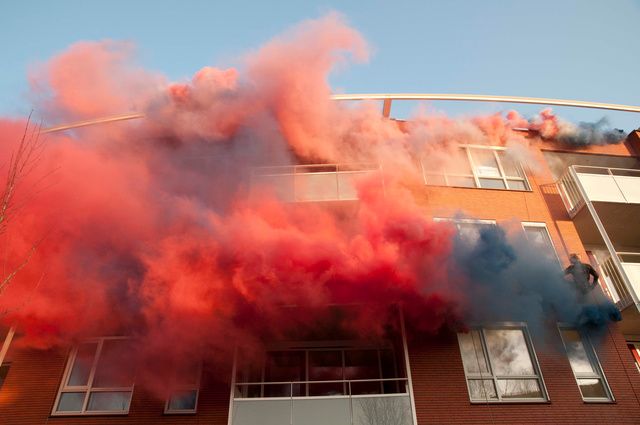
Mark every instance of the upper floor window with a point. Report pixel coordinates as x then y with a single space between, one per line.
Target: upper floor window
98 378
538 235
321 182
500 364
585 365
479 166
469 229
184 389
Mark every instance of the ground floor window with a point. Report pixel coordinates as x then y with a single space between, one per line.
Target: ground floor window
585 365
98 378
500 364
184 387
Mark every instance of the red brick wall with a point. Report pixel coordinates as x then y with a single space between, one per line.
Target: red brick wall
31 387
441 394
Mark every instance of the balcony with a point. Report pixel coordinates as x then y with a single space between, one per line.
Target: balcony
313 183
343 402
581 184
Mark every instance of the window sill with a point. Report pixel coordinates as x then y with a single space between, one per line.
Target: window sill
56 414
484 402
483 188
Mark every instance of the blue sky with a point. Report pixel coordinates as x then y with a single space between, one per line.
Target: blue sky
577 50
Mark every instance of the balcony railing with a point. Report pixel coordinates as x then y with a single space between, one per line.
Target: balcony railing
580 184
340 402
623 286
321 182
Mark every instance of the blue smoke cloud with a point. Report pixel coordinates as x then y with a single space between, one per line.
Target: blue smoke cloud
511 280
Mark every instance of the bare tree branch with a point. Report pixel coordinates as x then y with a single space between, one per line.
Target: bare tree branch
15 198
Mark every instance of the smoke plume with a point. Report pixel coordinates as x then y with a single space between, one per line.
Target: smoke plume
162 233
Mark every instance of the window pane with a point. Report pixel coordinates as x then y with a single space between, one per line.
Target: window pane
459 164
519 388
485 163
516 185
183 400
115 367
82 366
435 179
491 183
71 402
592 388
362 364
110 401
325 366
461 181
509 352
472 355
576 352
482 389
511 169
284 366
471 232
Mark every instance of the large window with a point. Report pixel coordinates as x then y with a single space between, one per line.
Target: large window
98 378
315 372
585 365
500 364
478 166
185 386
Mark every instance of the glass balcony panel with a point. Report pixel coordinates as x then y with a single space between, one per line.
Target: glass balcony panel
321 411
630 187
262 412
316 187
346 185
382 410
601 188
280 186
632 270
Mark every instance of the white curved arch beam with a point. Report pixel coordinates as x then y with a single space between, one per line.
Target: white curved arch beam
388 97
482 98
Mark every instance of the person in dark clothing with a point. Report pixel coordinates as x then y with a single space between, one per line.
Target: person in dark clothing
581 273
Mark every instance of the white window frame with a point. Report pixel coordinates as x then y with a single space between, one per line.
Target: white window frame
475 176
175 387
89 388
540 225
595 365
490 374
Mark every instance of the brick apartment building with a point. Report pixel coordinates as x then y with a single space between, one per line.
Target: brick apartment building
583 201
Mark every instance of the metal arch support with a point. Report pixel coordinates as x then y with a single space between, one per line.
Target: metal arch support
386 108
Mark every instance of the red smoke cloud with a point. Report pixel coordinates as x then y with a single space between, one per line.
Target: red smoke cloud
156 233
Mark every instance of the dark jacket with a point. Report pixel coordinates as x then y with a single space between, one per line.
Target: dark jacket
580 272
